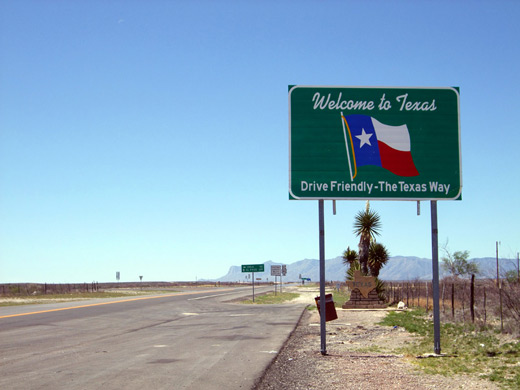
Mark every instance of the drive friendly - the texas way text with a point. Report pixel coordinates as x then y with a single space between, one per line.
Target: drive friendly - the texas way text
382 186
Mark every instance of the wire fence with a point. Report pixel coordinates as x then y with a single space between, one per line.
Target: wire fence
33 289
479 301
26 289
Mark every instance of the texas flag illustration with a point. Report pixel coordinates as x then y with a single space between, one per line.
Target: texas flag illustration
374 143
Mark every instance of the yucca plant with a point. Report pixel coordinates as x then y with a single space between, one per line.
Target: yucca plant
366 226
377 257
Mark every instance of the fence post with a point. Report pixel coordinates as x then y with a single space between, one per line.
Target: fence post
464 312
485 313
426 297
443 305
453 300
472 298
501 313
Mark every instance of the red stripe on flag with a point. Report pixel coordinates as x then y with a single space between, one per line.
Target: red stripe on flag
397 161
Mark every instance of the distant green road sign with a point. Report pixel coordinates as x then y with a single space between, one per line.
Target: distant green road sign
389 143
252 268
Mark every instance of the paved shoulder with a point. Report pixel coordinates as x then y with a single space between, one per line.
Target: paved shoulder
175 342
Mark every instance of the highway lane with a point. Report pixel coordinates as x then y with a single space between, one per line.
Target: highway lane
179 341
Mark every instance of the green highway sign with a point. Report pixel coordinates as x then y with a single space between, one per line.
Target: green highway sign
252 268
387 143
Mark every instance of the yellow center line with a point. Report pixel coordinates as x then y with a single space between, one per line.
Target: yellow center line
112 302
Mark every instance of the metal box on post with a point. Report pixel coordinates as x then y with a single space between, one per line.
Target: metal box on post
330 309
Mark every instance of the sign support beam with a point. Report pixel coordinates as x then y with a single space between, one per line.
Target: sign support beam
253 279
435 269
323 329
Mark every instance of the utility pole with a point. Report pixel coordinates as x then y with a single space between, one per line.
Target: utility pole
498 275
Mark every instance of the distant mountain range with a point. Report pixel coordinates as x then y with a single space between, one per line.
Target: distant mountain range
397 268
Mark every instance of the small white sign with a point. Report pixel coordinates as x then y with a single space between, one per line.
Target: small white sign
276 270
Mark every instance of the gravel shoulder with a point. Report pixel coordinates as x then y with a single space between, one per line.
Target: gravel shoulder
351 362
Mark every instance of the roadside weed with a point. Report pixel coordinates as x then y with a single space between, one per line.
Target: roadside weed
340 297
465 349
271 298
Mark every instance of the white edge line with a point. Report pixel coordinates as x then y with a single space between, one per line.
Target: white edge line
210 296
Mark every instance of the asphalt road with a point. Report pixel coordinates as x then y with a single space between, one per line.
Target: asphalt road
192 340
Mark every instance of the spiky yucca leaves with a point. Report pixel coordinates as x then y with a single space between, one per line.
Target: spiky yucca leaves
381 289
366 226
350 256
354 266
377 257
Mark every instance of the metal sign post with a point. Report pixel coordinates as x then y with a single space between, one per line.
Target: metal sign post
253 268
323 329
276 270
284 272
435 269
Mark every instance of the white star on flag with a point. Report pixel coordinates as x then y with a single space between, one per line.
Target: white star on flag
364 138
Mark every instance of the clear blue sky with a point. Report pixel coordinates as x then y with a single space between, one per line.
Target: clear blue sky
151 137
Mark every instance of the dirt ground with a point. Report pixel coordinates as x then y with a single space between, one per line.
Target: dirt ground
349 364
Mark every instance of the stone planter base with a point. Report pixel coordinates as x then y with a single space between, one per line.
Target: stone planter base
358 301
